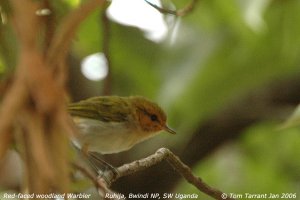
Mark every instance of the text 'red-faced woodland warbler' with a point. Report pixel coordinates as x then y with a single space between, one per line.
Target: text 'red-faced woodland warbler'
111 124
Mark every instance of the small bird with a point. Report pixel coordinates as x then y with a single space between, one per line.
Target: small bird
112 124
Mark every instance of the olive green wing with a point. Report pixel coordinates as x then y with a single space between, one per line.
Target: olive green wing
112 108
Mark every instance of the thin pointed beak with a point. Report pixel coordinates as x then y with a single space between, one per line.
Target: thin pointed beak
169 130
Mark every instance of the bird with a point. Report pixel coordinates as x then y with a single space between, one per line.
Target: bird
112 124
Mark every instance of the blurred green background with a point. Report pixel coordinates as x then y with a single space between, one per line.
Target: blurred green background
228 67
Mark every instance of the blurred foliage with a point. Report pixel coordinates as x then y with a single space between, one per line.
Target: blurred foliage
293 120
262 161
215 57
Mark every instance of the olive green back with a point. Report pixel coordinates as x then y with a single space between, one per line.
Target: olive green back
104 108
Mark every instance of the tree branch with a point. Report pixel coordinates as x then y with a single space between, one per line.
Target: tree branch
159 156
61 41
98 182
50 25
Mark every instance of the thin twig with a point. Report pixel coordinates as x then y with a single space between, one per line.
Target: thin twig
62 39
181 12
186 172
175 162
89 175
50 25
37 147
10 106
99 183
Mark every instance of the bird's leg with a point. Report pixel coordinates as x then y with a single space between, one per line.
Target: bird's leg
99 165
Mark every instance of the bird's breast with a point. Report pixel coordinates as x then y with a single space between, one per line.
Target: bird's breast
107 137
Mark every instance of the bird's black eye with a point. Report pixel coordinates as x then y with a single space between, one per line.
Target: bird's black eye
153 117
